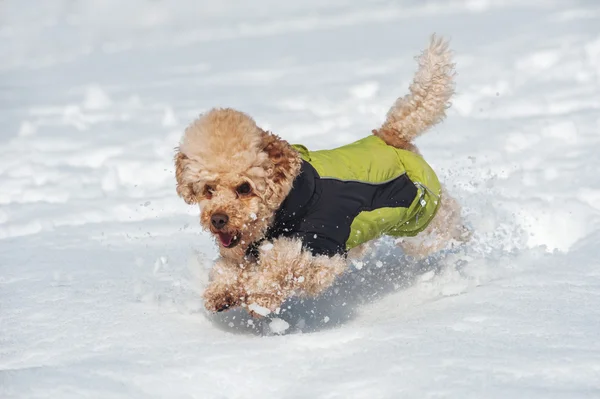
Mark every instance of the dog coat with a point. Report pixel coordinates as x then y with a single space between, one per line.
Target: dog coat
352 194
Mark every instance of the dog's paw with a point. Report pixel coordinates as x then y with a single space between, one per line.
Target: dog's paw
220 304
221 299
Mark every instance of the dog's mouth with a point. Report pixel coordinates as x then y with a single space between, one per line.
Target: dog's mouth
229 240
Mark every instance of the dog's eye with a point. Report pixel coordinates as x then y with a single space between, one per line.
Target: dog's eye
244 189
207 191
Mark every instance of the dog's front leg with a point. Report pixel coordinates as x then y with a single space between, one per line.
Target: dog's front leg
286 269
226 287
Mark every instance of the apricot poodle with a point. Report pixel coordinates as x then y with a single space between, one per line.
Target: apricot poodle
287 219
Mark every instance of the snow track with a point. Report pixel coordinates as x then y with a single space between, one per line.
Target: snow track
101 265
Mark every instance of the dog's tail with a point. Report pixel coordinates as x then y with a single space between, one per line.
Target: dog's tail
429 97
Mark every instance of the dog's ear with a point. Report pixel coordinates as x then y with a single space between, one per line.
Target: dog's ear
284 158
184 188
285 165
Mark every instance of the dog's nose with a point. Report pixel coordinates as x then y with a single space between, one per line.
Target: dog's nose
219 220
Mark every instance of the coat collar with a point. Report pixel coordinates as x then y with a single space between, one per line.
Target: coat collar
293 208
295 205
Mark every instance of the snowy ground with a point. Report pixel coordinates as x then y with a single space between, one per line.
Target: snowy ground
101 264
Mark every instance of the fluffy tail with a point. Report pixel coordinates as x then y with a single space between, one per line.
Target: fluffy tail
429 97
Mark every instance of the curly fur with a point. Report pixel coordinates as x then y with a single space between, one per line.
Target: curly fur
446 227
225 148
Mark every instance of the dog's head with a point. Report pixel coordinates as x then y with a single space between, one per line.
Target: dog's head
237 173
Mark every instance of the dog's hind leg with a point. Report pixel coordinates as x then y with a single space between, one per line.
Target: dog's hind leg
445 229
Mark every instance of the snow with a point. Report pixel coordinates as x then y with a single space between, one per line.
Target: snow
278 326
256 308
102 266
266 246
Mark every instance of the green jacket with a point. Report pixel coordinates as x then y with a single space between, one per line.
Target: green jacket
352 194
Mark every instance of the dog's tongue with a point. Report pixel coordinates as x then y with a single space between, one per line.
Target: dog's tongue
226 239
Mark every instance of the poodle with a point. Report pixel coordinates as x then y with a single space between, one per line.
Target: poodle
287 220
